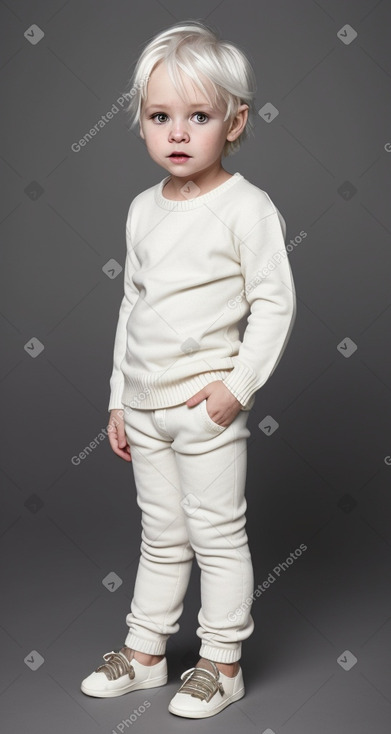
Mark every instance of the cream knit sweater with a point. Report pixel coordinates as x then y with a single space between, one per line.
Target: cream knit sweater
194 269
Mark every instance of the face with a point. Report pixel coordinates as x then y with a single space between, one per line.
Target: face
168 123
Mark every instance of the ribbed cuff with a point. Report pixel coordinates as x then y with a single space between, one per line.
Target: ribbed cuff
150 647
221 654
242 382
115 401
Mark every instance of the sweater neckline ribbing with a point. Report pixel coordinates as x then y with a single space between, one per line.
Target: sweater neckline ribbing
197 201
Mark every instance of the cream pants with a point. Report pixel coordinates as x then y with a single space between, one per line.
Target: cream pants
190 476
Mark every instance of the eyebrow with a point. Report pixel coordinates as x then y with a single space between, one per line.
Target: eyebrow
192 106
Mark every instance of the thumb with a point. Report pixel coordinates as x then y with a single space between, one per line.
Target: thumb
197 398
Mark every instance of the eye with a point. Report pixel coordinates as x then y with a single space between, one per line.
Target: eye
158 114
163 114
202 115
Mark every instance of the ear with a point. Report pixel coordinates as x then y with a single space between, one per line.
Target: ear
238 123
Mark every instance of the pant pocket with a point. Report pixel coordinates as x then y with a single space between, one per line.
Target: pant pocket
210 424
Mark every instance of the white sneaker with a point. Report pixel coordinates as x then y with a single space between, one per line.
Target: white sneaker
204 693
118 676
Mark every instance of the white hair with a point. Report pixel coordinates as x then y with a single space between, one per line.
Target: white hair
196 49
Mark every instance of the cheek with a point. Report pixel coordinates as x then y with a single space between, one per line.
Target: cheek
210 143
212 135
152 135
156 144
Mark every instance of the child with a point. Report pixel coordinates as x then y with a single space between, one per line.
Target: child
205 248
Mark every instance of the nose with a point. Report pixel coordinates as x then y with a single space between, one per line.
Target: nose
178 131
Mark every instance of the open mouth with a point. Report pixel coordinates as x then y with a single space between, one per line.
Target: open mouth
179 156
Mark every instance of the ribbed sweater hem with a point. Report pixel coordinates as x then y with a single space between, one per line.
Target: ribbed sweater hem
147 392
136 393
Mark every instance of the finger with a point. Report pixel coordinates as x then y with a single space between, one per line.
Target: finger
197 398
122 439
122 451
126 455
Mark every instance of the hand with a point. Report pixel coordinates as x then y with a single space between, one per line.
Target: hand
117 436
221 404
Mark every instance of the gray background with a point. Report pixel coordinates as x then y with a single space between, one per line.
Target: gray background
322 478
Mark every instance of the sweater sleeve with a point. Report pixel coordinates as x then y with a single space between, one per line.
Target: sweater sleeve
129 299
270 293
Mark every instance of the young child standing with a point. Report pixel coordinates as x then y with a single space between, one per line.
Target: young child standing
205 249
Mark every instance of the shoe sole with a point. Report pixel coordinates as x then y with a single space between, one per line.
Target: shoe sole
204 714
154 683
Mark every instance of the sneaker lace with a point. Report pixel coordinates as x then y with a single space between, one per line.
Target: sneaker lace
116 664
201 683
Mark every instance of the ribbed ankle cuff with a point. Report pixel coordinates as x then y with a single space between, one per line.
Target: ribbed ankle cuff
220 654
150 647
